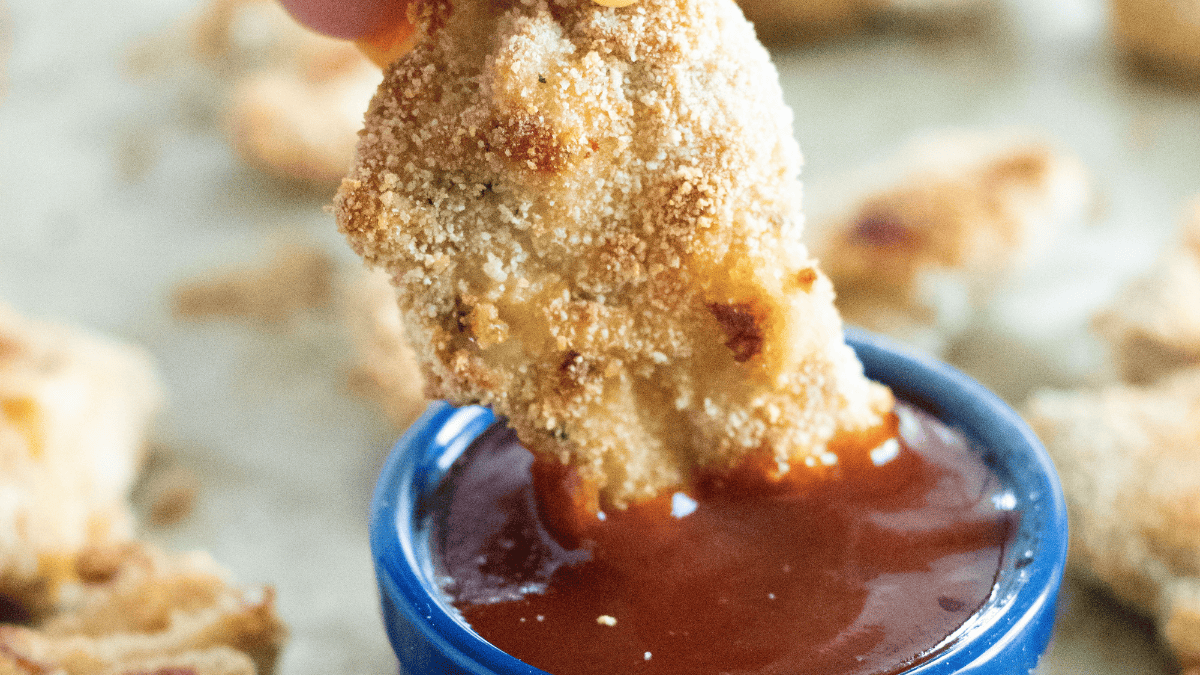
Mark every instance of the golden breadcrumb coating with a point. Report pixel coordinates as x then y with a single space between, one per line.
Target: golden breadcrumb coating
385 368
1131 474
925 239
74 411
1163 36
592 217
1153 325
137 610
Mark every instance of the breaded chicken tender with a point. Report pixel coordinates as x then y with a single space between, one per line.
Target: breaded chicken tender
1153 326
1131 475
139 610
919 245
592 217
74 412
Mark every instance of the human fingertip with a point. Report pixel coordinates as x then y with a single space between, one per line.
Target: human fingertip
389 44
345 19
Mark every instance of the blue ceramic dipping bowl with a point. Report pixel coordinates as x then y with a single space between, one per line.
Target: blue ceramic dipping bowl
1005 637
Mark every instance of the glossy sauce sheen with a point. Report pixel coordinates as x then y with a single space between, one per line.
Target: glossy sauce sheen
866 571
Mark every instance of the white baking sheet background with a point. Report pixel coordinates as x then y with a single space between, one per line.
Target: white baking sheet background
113 190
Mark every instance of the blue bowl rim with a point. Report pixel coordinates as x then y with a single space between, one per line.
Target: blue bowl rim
1016 619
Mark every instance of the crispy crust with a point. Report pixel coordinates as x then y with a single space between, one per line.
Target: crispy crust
919 251
592 215
1153 326
1127 458
74 410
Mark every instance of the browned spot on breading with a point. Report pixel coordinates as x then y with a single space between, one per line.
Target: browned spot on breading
690 203
881 229
572 369
805 279
14 611
484 325
169 670
462 316
431 13
10 348
501 6
98 565
744 336
529 142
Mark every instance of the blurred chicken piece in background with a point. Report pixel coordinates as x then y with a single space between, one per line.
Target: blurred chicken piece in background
780 22
1153 326
290 100
74 413
1160 37
917 245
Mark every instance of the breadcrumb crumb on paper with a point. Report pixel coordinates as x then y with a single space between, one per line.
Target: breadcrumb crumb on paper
592 216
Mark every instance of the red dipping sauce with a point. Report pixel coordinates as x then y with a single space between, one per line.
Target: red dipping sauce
865 571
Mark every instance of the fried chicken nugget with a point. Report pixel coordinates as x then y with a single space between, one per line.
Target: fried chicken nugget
592 216
74 411
1131 474
919 246
138 610
1153 326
